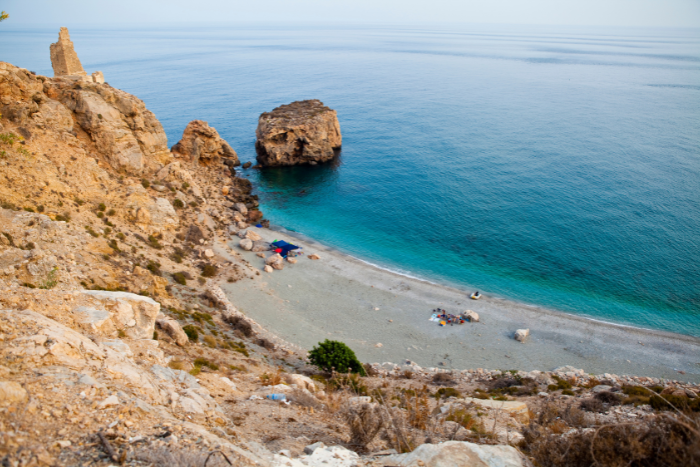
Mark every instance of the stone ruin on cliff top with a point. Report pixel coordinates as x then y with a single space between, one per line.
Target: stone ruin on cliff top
65 61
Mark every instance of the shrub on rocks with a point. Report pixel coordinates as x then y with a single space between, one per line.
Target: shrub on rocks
334 355
192 333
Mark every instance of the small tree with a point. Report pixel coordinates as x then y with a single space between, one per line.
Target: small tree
3 16
334 355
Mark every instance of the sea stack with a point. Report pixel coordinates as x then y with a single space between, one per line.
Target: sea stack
303 132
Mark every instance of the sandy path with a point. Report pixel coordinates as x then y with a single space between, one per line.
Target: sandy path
337 297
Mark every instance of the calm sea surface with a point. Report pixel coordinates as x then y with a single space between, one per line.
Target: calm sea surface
554 166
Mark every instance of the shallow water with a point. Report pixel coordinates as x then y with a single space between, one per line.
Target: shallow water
555 166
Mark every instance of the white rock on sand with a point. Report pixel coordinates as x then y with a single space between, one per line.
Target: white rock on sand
521 335
457 454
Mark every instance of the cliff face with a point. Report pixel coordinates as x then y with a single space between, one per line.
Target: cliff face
98 118
303 132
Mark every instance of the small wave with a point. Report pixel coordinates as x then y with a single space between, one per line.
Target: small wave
679 86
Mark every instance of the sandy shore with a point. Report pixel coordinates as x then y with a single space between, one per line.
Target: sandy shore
339 297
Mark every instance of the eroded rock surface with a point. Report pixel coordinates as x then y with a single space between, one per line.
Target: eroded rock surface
303 132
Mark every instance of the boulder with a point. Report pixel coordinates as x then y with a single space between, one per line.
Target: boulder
291 260
242 233
457 454
314 256
246 244
133 314
303 382
268 269
298 133
254 236
201 144
260 246
240 207
11 393
272 259
472 316
156 214
521 335
516 409
173 329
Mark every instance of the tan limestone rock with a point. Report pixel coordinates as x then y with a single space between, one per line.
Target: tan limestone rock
173 329
303 132
64 60
11 393
201 144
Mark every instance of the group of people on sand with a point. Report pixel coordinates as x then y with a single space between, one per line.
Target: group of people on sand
444 318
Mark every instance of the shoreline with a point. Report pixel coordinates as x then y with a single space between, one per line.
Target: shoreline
457 289
346 298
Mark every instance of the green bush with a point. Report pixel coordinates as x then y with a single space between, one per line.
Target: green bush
209 270
335 355
111 212
200 362
178 204
191 332
145 183
444 393
180 278
101 207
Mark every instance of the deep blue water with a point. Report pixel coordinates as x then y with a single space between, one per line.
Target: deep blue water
555 166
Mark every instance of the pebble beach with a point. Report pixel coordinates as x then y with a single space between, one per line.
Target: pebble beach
385 317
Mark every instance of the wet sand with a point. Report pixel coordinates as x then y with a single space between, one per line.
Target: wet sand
341 298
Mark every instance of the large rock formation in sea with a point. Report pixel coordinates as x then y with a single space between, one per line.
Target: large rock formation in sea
303 132
201 144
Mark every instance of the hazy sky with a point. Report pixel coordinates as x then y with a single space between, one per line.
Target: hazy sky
680 13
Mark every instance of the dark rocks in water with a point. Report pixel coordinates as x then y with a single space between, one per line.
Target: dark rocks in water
247 165
303 132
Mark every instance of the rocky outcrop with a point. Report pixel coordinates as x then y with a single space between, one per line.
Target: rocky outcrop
303 132
201 144
110 123
64 60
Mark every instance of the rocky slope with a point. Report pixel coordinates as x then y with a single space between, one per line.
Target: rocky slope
303 132
118 346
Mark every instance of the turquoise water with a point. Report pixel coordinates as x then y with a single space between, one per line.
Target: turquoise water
554 166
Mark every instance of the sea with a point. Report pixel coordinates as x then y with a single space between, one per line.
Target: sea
554 166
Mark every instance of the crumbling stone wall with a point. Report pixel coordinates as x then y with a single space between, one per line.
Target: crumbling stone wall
64 60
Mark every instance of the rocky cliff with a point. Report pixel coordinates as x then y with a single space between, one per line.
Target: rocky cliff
303 132
108 123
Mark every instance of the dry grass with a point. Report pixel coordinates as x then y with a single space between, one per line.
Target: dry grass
365 422
173 457
664 439
268 379
305 399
